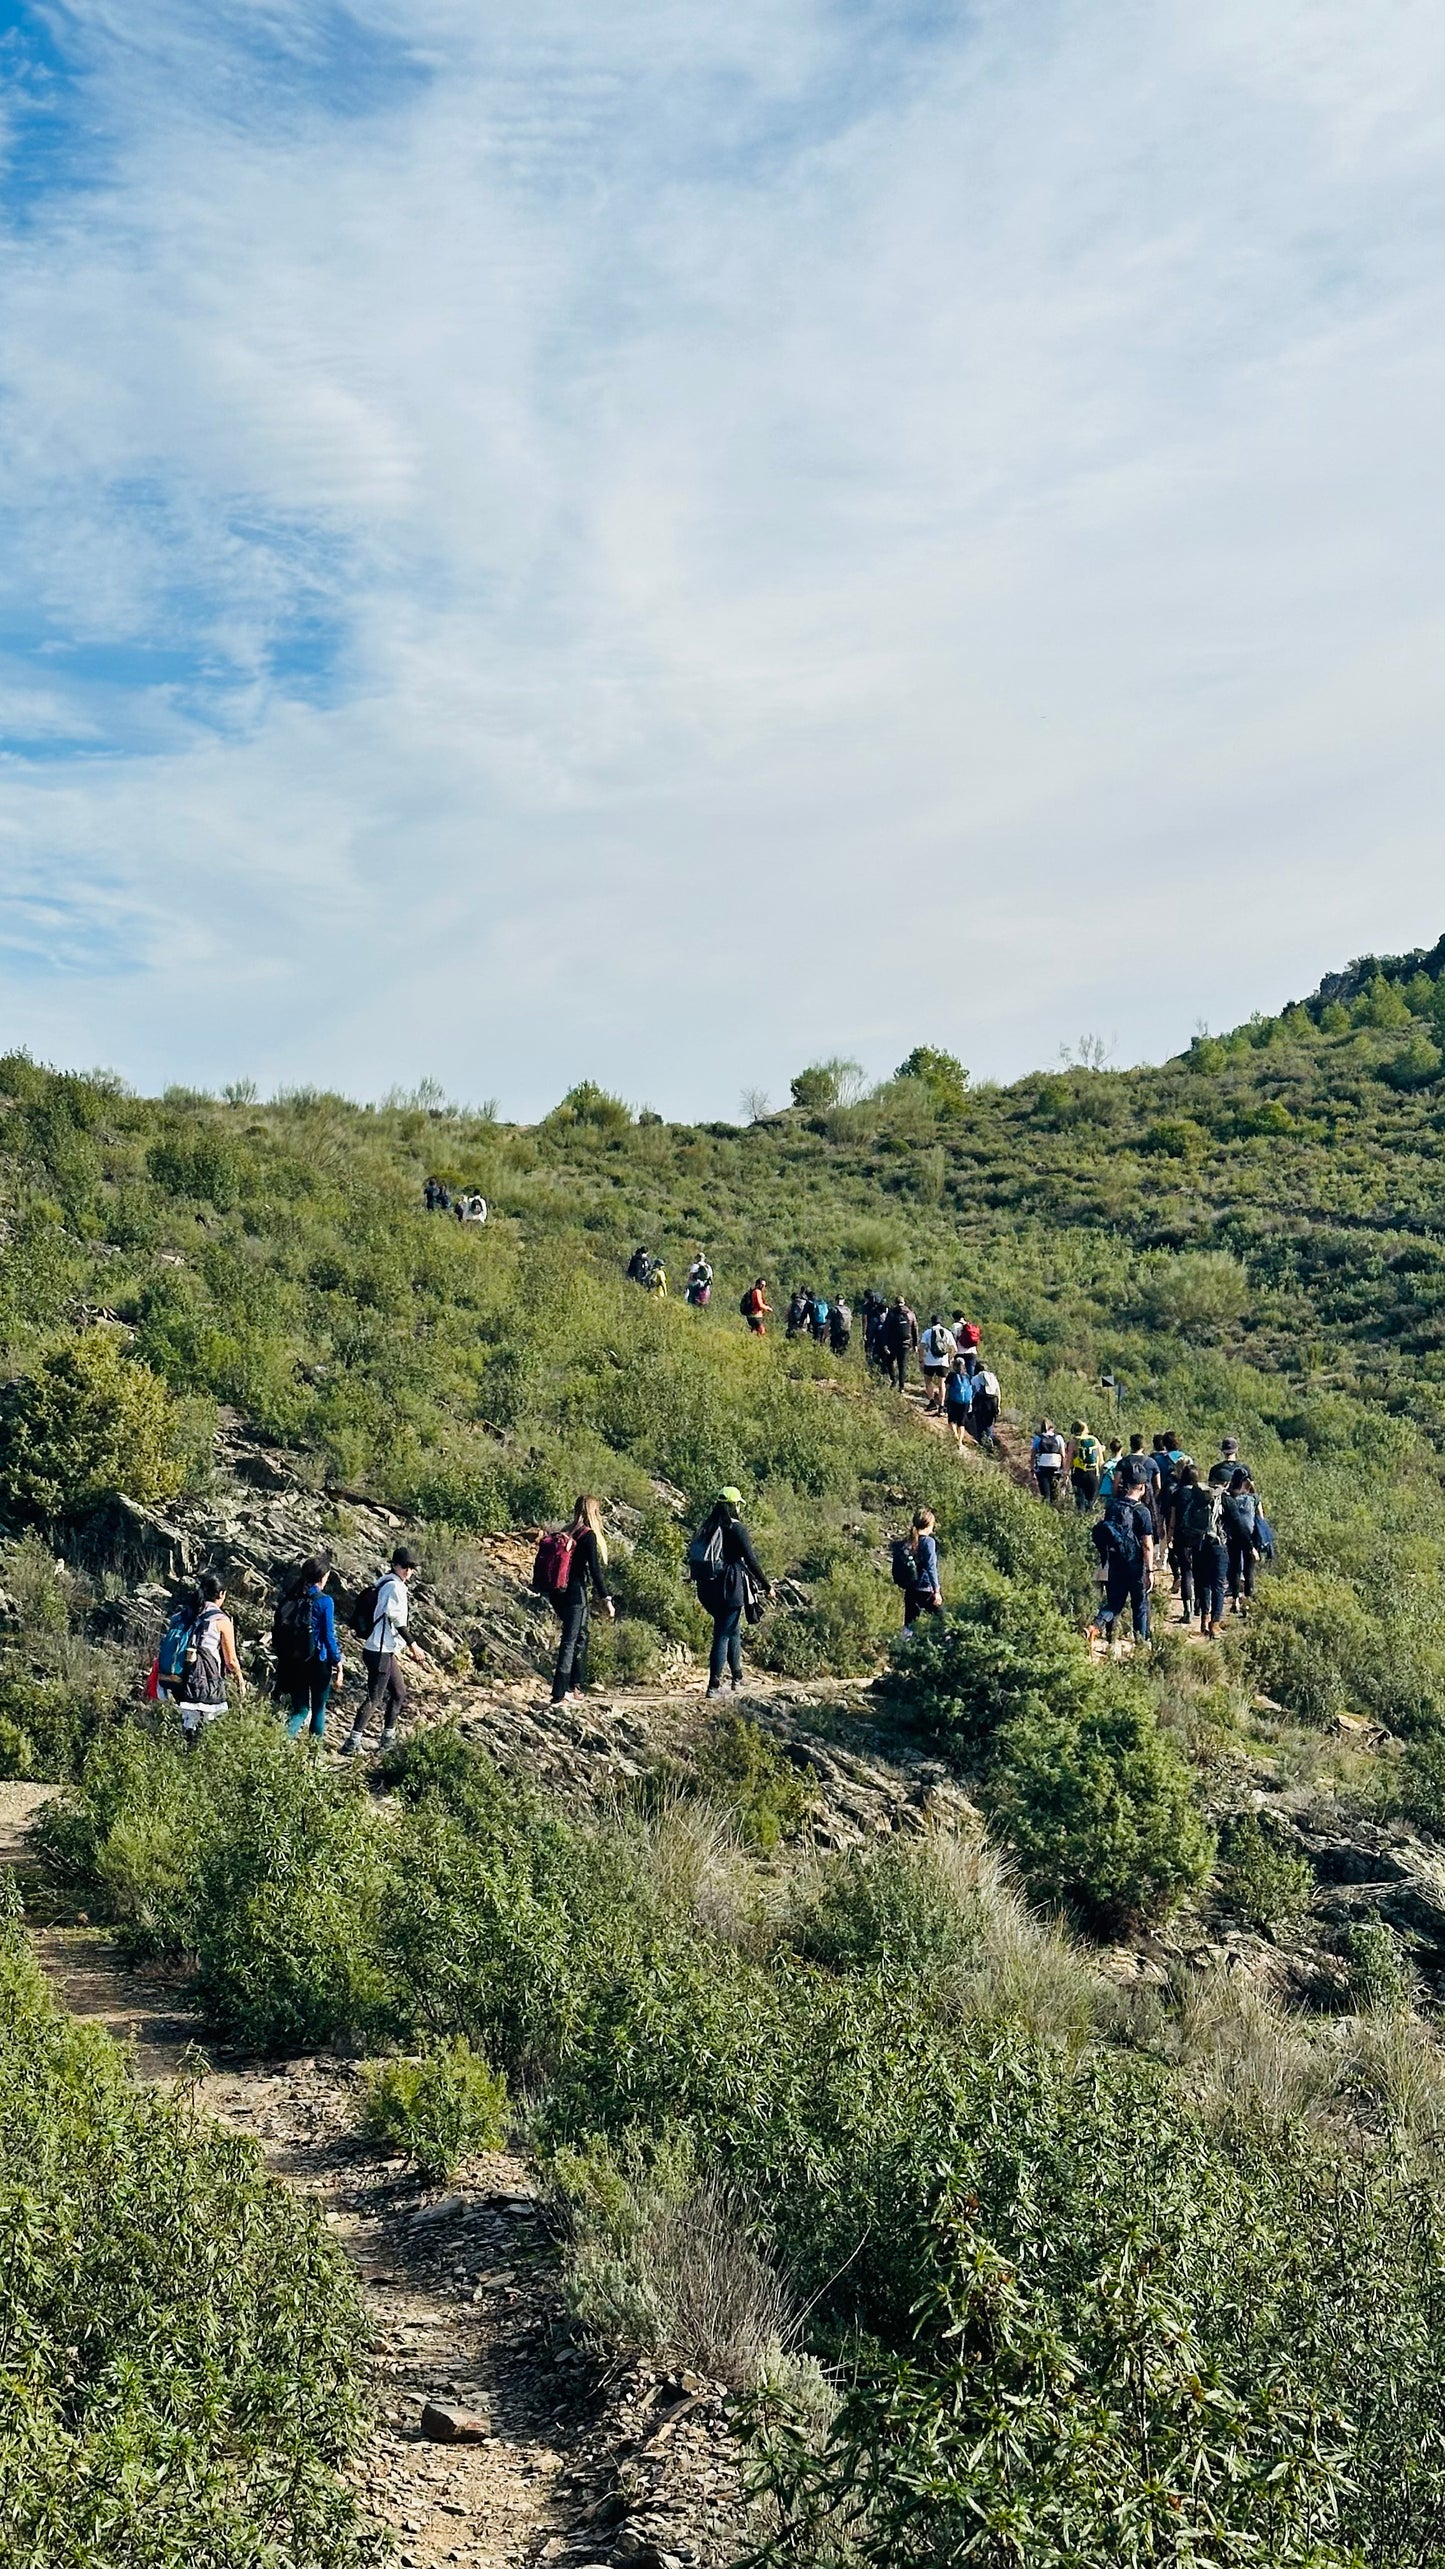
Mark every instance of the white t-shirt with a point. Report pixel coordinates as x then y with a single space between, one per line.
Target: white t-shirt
392 1608
939 1346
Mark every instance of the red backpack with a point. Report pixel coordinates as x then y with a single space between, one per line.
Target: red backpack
553 1566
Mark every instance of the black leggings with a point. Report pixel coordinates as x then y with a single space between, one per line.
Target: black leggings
571 1668
727 1648
1241 1566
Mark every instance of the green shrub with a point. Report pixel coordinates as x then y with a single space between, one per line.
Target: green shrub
741 1767
1416 1065
1259 1878
1306 1636
1380 1979
962 1675
91 1420
890 1910
17 1750
183 2337
441 2107
1099 1807
1202 1293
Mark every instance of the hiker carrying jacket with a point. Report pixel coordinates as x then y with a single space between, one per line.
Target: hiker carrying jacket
1124 1541
211 1657
384 1646
586 1579
1086 1462
898 1337
731 1584
308 1653
918 1557
1241 1538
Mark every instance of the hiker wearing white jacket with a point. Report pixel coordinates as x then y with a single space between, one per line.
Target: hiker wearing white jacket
382 1650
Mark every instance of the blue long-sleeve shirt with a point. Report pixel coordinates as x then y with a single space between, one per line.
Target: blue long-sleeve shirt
323 1628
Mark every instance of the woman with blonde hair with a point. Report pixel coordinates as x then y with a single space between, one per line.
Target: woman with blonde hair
586 1579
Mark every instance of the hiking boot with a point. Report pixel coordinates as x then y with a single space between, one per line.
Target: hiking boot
349 1747
387 1739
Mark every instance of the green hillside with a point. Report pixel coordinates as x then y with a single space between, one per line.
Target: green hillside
1097 2268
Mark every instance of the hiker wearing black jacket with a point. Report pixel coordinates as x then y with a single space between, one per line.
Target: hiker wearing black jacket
731 1583
898 1336
586 1579
1124 1541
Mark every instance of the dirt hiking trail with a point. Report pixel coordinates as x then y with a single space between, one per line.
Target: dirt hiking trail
572 2464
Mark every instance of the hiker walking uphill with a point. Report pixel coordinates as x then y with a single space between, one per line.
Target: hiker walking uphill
818 1319
840 1326
639 1266
897 1338
958 1399
308 1653
1123 1537
571 1569
731 1584
873 1310
1199 1537
699 1283
210 1658
799 1314
1048 1462
915 1569
1086 1462
938 1347
379 1619
1240 1513
755 1306
984 1407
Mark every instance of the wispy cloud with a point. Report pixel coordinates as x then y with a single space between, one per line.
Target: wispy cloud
564 540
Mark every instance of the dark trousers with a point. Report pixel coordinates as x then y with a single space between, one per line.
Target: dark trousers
571 1668
1126 1585
1210 1564
1241 1566
385 1691
896 1361
310 1693
1181 1562
727 1648
916 1602
981 1418
1049 1487
1086 1490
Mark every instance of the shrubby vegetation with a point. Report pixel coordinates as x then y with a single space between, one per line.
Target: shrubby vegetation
892 2100
1101 2281
178 2336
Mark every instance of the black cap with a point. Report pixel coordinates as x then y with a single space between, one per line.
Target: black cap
403 1559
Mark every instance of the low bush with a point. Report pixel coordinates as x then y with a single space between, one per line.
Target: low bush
1259 1878
660 2262
738 1765
440 2107
89 1421
1380 1979
1100 1809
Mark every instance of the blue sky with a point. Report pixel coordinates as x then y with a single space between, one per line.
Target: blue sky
568 541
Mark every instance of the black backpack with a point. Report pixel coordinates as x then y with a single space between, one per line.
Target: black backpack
1116 1536
293 1634
362 1618
746 1305
905 1568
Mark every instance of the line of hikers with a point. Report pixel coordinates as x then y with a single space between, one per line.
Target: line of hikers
198 1654
468 1204
1159 1505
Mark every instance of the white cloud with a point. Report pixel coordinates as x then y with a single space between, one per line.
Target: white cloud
818 543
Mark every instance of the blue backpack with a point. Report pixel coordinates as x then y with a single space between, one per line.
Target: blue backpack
820 1313
175 1642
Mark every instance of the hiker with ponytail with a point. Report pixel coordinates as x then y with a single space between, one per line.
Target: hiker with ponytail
586 1579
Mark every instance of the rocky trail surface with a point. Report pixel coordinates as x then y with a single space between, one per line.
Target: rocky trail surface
498 2441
